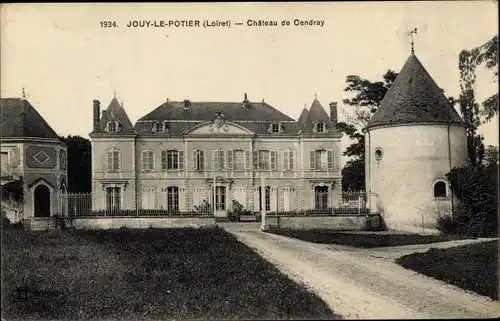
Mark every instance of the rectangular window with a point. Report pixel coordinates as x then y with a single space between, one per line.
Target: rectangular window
321 159
113 160
173 199
239 159
198 160
264 159
113 198
218 159
288 159
147 160
267 198
172 159
220 198
4 162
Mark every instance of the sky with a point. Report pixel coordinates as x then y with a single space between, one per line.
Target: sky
64 57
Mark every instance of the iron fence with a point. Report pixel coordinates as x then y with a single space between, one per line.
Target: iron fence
346 203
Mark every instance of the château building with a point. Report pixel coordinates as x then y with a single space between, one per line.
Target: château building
172 157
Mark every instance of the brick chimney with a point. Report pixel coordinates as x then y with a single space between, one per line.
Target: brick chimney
333 112
187 104
97 114
246 102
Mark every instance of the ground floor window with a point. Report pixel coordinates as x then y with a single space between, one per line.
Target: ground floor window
113 198
173 199
267 198
220 198
440 189
321 197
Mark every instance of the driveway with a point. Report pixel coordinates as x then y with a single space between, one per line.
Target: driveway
362 283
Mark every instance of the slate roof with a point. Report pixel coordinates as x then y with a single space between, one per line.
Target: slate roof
302 118
256 117
317 114
20 119
115 111
414 97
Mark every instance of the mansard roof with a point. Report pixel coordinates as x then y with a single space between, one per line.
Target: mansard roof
20 119
317 114
414 97
116 112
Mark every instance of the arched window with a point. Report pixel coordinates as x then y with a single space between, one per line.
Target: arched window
440 189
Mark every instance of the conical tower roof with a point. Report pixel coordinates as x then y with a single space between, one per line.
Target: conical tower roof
414 97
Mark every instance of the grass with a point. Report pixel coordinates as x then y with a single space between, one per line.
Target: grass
147 274
472 267
364 240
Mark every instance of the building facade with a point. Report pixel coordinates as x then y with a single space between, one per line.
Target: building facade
172 157
34 157
411 142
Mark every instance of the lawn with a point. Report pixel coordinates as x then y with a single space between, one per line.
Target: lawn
365 240
146 274
472 267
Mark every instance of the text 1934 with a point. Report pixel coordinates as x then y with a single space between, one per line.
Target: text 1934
108 24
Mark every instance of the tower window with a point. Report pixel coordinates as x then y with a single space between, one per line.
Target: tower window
378 154
440 189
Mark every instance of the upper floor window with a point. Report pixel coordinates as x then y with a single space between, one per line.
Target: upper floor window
276 128
319 127
172 159
147 160
440 189
113 126
321 159
160 127
218 159
264 159
198 160
239 159
113 160
288 159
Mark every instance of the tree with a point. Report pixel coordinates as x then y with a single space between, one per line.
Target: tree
490 155
365 102
79 164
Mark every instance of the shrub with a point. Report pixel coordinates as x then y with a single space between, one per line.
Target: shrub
476 187
236 211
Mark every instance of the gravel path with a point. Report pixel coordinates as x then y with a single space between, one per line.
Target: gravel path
361 286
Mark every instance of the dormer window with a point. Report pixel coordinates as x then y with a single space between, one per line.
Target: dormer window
113 126
276 128
160 127
319 127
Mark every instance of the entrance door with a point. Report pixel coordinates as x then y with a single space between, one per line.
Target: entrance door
221 201
42 201
321 197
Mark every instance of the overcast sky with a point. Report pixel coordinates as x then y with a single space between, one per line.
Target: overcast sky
65 59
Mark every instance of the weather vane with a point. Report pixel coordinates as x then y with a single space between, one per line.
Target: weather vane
411 33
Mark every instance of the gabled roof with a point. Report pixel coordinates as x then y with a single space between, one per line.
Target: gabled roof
317 114
115 111
414 97
20 119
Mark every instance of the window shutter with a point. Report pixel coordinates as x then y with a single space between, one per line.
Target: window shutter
330 159
255 159
163 159
273 160
222 158
247 159
230 159
285 160
194 159
201 155
181 159
215 159
312 159
291 159
315 127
